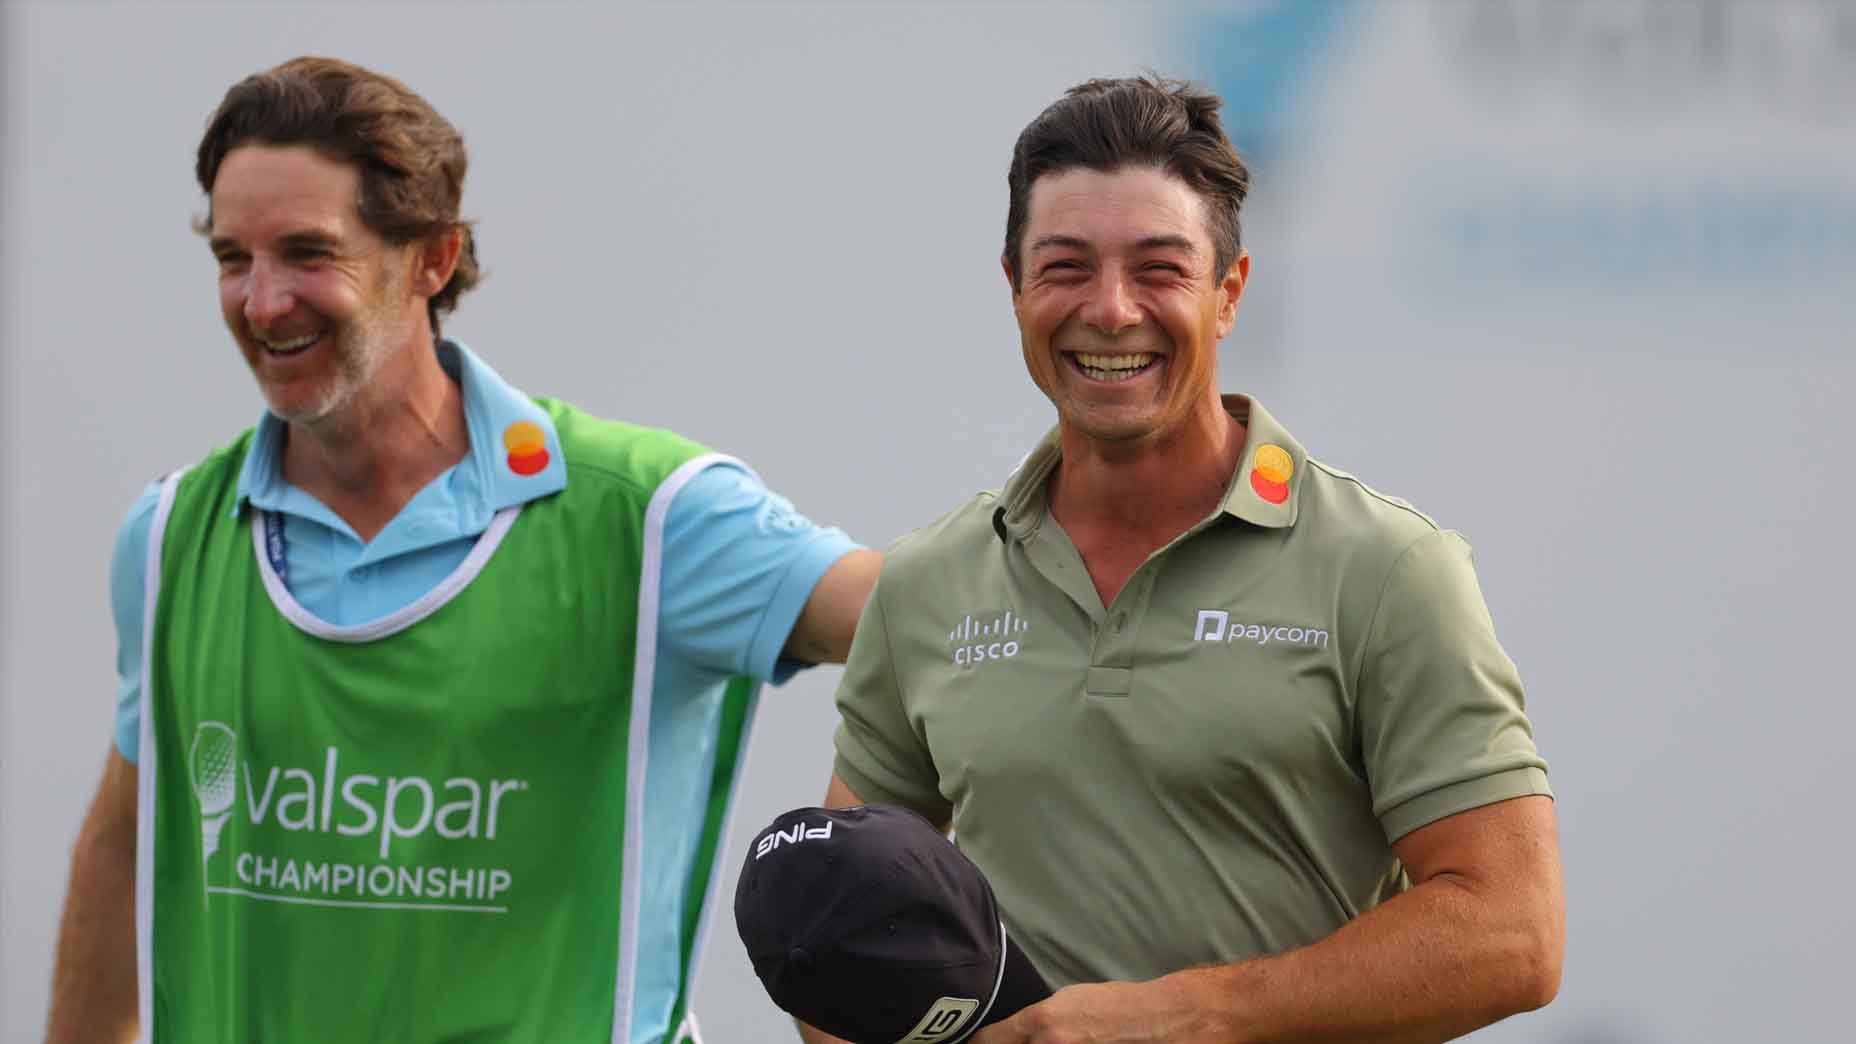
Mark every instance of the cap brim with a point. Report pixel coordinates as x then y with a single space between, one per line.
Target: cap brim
1020 986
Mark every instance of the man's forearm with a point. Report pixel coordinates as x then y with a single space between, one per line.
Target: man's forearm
1430 965
1478 938
93 978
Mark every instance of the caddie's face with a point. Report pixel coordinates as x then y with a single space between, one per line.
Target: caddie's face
316 301
1119 309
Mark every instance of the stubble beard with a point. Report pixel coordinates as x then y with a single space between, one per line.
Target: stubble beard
361 349
1129 423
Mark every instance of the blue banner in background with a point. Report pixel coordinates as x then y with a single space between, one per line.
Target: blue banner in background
1262 58
1615 148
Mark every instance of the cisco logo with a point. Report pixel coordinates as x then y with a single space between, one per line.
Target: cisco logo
986 637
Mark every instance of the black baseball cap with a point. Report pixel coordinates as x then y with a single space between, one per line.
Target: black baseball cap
869 924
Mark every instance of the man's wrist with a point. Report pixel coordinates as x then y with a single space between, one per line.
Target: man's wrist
1218 998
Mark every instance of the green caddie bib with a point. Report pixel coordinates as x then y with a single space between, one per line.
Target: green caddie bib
422 829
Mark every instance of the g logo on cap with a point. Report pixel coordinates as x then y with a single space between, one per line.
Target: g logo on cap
943 1021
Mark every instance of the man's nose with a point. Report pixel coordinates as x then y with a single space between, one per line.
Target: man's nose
268 296
1111 307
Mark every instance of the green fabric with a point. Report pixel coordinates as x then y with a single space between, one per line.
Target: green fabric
438 814
1215 766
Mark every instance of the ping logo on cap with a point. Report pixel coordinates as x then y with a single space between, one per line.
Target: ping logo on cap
799 832
1269 473
943 1020
527 446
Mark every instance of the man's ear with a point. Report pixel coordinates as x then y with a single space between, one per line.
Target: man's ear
435 258
1011 277
1231 291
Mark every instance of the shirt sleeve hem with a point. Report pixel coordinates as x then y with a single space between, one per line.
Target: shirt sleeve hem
128 585
870 792
126 744
1446 801
789 600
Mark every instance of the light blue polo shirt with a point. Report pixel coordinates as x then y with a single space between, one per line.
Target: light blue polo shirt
739 564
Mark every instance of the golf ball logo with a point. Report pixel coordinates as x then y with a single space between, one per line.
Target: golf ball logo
215 782
1269 473
528 447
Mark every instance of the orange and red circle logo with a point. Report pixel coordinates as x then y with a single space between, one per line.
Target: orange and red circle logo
528 447
1270 471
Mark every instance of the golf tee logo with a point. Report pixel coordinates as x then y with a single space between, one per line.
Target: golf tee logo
213 765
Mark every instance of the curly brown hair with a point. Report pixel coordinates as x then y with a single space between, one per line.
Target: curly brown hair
411 159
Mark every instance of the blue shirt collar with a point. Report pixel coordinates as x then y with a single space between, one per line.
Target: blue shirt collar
505 465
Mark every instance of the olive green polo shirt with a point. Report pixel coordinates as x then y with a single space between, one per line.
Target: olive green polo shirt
1215 766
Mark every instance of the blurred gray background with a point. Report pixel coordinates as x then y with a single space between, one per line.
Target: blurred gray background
1573 277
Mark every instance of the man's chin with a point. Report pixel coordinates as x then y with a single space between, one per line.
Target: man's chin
298 409
1108 429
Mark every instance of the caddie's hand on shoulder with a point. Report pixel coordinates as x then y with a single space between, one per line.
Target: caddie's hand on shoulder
1155 1012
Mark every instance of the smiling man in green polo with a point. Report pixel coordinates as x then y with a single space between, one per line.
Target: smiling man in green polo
1230 732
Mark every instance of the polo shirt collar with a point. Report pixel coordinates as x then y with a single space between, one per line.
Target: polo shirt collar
1264 490
506 464
1266 487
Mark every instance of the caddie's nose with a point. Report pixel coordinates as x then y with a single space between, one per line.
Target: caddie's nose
268 293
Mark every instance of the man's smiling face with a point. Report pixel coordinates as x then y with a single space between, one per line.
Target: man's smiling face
315 300
1119 309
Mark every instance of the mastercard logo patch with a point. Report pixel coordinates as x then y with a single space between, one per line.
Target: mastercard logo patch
1270 471
528 447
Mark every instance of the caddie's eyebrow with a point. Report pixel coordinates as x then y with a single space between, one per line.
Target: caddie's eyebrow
307 239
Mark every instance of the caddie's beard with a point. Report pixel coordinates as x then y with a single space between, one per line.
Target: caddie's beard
361 350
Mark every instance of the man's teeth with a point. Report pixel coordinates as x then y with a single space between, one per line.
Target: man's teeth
1114 367
295 344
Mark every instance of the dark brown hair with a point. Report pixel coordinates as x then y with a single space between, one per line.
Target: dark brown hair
410 158
1105 125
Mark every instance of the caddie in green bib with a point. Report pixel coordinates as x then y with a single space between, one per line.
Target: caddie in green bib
421 829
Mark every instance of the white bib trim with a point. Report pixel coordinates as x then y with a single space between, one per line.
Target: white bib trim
707 918
145 766
398 620
644 675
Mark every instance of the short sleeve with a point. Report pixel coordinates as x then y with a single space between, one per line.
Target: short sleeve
128 584
739 565
1441 712
880 757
